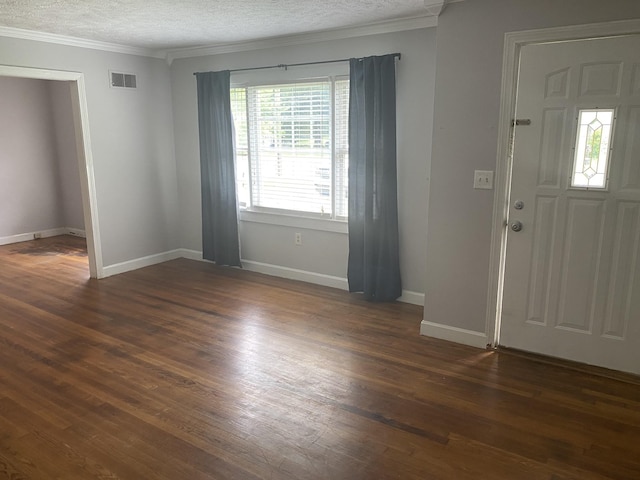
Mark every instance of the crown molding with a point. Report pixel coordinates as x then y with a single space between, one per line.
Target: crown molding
436 7
430 19
78 42
413 23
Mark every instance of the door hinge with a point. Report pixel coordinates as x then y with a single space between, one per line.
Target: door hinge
522 122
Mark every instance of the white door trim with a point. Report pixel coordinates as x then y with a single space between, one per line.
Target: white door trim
513 43
83 148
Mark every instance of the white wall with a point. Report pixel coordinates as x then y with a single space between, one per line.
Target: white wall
322 252
132 143
65 140
470 39
30 194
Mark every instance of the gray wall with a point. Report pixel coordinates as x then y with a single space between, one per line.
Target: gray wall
38 160
322 252
132 142
470 39
65 141
30 194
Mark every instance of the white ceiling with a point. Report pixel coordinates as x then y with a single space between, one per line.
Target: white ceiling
167 24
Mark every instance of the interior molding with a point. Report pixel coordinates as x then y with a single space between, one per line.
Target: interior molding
76 232
414 298
78 42
191 254
87 177
142 262
51 232
436 7
453 334
513 43
389 26
25 237
296 274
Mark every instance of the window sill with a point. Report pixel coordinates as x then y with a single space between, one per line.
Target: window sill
295 221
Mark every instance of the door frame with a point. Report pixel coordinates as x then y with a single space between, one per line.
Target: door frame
83 149
513 43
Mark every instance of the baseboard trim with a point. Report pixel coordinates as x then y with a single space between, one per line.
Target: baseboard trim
296 274
408 296
454 334
25 237
52 232
191 254
147 261
414 298
76 232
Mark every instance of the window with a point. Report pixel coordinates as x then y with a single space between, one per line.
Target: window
592 148
292 147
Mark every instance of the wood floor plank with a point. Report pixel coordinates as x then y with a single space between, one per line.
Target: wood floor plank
185 370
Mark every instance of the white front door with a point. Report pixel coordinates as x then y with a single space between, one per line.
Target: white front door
572 273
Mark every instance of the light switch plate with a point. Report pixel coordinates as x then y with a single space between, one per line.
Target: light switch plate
483 179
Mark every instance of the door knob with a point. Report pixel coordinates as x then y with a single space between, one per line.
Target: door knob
516 225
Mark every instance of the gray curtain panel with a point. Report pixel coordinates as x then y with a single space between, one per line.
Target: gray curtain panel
220 242
374 266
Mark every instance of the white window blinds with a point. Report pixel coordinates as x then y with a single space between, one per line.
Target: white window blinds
292 147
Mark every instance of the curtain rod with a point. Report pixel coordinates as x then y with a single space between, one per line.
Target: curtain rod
286 66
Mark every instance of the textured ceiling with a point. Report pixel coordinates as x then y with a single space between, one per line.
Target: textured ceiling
164 24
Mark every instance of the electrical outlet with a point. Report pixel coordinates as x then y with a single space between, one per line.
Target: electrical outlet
483 179
298 239
36 236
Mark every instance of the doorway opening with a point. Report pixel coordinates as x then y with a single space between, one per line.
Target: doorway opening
83 153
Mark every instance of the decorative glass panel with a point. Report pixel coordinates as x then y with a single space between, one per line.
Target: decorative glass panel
592 148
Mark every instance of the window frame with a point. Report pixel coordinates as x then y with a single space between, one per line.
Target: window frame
286 217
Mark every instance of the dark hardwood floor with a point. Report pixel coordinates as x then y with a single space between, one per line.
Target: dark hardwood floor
188 371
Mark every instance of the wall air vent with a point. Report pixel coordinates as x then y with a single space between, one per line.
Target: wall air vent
123 80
